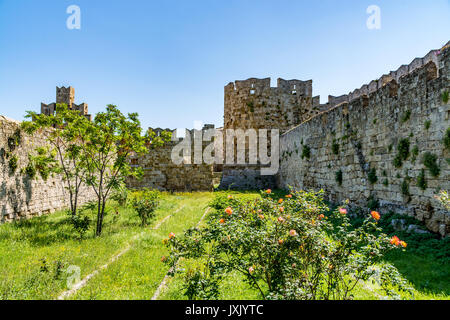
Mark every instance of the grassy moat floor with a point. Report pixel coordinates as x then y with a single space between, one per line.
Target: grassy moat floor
39 256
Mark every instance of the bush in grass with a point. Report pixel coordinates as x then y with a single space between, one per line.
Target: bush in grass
145 204
81 222
290 248
121 195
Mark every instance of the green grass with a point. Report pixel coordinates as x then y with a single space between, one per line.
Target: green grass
138 273
25 245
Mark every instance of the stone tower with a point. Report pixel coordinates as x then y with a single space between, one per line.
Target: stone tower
66 96
254 104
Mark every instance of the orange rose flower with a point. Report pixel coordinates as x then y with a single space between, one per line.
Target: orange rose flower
230 196
395 240
403 244
163 259
229 211
261 216
280 201
342 211
280 219
281 209
321 216
375 215
268 191
292 233
222 221
280 241
289 196
171 235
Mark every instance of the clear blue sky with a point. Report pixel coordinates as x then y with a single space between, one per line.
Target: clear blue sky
169 60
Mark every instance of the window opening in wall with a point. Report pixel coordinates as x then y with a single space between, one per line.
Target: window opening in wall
252 90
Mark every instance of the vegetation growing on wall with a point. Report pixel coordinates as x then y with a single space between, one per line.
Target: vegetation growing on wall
251 106
430 161
338 177
402 152
445 97
306 152
405 187
421 180
406 116
372 176
13 163
415 153
335 147
446 140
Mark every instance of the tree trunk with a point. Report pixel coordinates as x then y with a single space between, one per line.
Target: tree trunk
99 217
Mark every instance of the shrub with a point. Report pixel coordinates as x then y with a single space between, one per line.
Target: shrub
120 195
446 140
251 106
287 250
427 124
372 203
306 152
145 204
335 147
372 176
385 182
444 198
406 115
415 152
421 181
338 177
405 187
12 163
430 161
397 162
403 148
444 97
30 170
80 223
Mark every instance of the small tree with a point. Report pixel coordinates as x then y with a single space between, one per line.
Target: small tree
63 155
106 144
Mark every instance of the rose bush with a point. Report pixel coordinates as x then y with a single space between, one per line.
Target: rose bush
145 203
291 248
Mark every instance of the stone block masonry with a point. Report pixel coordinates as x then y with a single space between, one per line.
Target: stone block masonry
162 174
371 144
20 196
254 104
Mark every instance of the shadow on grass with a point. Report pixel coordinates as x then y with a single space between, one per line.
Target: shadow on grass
40 231
425 264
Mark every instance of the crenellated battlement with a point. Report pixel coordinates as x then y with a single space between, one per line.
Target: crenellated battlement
434 56
255 86
65 96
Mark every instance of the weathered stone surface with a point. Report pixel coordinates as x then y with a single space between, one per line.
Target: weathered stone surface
20 196
161 173
368 131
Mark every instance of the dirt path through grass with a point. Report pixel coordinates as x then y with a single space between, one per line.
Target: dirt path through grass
84 281
163 283
139 271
